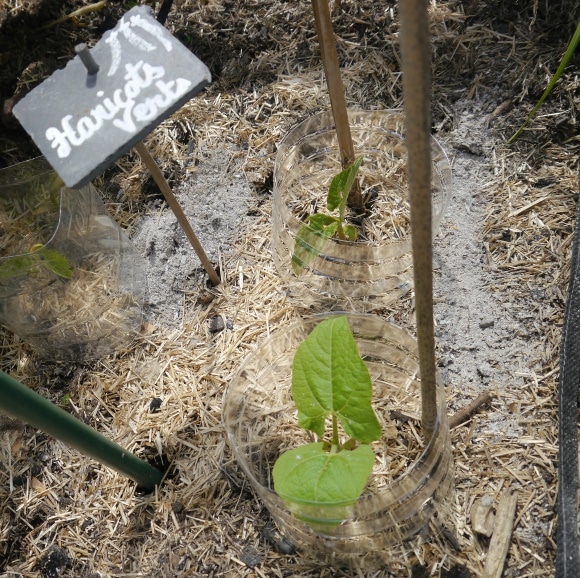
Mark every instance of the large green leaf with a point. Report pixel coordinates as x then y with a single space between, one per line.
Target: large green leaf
329 378
308 475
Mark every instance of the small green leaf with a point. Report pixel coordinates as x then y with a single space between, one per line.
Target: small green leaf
55 262
309 241
310 476
320 221
330 230
18 265
65 400
330 378
340 187
350 232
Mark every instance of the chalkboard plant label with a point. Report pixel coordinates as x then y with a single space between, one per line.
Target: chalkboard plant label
83 122
330 381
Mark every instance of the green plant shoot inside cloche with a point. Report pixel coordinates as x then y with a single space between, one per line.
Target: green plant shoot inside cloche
330 383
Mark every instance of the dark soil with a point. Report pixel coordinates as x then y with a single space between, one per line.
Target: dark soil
31 49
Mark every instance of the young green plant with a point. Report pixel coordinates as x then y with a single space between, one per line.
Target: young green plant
38 257
563 63
34 192
313 235
330 382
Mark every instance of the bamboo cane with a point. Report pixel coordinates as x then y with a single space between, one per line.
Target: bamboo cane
177 210
336 90
416 55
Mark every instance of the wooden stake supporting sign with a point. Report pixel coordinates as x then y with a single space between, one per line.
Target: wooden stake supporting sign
106 100
177 210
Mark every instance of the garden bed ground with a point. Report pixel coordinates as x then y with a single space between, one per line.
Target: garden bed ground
502 264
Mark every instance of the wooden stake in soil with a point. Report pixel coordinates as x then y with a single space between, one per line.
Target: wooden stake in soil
502 536
336 91
416 54
177 210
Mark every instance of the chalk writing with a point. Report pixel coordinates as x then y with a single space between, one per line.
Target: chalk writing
122 108
124 27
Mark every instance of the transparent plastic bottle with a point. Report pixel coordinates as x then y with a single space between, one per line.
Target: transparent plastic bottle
410 490
376 269
71 281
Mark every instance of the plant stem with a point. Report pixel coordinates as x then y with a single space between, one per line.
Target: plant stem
336 90
564 62
21 402
335 441
416 55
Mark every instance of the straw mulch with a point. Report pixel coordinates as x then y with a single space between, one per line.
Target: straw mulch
63 514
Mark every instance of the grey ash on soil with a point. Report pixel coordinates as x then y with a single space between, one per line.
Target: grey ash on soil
215 198
481 344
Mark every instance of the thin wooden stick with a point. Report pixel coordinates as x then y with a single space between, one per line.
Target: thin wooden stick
336 90
465 413
416 55
177 210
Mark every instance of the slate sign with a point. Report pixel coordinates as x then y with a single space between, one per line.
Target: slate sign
83 122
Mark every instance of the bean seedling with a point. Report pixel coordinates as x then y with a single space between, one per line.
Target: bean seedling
38 257
329 379
313 235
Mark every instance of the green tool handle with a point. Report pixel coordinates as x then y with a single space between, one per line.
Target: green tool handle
22 403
